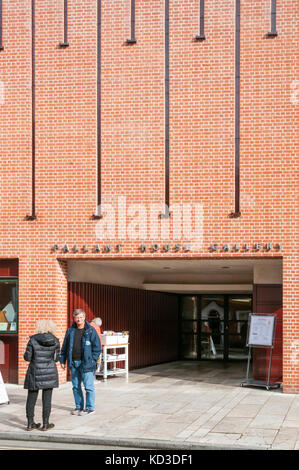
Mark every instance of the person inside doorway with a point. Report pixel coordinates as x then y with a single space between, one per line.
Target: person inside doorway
214 324
81 349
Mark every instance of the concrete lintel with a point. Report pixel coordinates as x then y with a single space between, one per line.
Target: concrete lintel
247 288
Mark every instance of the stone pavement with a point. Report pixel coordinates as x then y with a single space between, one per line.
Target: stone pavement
178 405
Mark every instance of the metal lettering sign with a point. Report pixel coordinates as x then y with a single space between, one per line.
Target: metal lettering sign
168 247
261 330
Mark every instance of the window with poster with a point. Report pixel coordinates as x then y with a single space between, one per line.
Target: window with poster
8 306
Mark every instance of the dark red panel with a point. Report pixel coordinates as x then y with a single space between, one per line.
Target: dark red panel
150 317
268 293
9 369
8 268
268 299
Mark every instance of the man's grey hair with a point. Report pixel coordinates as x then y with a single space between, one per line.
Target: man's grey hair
79 311
97 321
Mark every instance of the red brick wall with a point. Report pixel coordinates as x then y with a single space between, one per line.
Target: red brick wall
201 137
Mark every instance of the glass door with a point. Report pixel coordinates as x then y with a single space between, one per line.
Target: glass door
239 308
189 319
214 326
212 331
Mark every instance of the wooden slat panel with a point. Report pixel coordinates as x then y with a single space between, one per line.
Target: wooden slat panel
150 317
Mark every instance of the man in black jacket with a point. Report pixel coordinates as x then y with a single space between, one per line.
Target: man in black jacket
81 349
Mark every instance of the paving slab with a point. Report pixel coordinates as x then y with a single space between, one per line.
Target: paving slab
267 421
244 411
286 439
229 425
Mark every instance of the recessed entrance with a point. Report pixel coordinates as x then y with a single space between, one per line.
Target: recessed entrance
189 309
214 326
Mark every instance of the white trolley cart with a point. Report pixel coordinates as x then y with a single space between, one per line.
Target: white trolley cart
111 355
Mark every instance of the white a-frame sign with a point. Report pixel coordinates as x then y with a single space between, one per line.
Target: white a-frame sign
3 393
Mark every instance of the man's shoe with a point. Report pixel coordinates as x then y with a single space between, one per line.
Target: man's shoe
76 412
86 412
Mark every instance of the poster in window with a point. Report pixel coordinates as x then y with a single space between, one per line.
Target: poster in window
3 326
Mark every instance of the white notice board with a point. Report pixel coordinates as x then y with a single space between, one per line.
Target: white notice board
261 330
3 393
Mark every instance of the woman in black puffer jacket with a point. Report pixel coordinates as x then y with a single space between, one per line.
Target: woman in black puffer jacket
42 351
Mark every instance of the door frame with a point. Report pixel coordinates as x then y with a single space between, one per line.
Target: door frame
225 320
10 368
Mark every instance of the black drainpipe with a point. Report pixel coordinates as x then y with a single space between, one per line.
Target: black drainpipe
98 214
201 36
273 31
237 212
32 216
167 213
65 42
1 20
132 39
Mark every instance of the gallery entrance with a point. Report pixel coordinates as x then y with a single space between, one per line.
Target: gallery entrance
214 326
177 309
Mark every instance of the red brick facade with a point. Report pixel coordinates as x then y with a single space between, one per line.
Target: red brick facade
202 126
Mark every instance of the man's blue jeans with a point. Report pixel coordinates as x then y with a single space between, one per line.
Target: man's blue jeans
78 376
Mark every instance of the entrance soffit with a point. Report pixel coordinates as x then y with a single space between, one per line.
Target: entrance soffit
193 275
